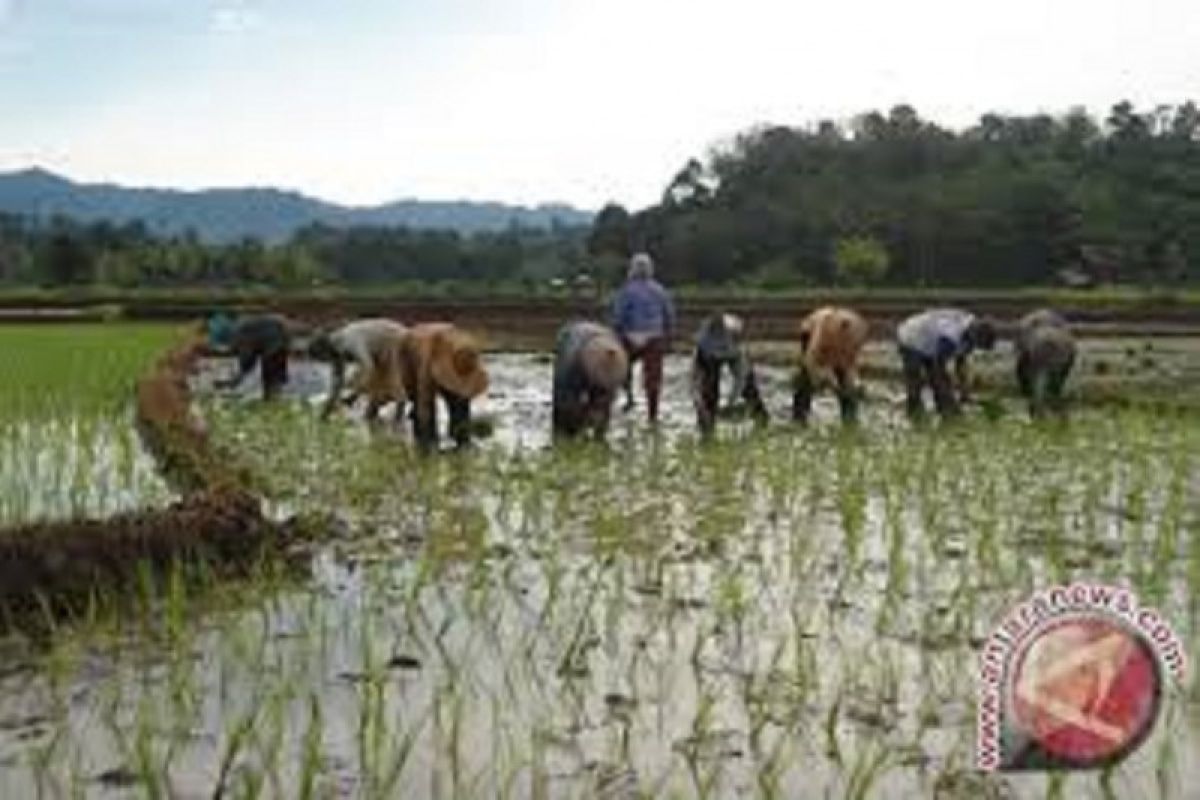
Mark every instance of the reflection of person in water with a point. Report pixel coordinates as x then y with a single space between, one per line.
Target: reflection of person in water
590 365
373 347
262 340
439 360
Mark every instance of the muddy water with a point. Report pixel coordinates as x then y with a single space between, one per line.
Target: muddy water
780 614
518 398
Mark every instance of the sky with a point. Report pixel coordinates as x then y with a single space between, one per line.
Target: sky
530 101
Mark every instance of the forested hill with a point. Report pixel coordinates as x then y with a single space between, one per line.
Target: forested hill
895 198
226 215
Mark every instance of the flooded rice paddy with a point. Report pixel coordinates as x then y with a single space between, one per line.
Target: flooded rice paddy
780 613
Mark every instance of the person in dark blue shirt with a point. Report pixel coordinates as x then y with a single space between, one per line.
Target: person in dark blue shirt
264 341
719 347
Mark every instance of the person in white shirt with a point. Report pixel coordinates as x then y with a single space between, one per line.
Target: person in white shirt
928 342
373 347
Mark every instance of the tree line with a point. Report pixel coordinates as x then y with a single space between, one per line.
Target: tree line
894 198
882 199
63 252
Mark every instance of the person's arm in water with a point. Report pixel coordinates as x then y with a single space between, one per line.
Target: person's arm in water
740 367
337 365
962 376
247 360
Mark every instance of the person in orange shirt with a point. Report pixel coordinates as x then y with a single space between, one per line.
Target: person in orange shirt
440 360
831 340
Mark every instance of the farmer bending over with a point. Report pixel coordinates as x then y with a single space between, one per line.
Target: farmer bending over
1045 354
439 360
928 342
644 317
719 346
261 340
590 365
831 340
373 348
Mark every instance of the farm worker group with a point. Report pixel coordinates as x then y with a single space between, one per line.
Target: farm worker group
415 367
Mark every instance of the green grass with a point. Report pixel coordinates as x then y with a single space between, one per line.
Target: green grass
67 443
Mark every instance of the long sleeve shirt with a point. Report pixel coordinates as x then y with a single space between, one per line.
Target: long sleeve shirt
643 307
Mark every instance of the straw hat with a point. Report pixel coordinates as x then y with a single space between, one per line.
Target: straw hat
604 361
454 359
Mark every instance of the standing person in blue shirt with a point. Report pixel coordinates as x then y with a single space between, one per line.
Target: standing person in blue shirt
928 342
644 317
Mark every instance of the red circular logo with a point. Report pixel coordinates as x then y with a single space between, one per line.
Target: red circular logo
1086 690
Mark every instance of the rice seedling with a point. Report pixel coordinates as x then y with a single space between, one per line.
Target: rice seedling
68 447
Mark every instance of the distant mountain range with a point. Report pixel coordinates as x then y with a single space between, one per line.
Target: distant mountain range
223 215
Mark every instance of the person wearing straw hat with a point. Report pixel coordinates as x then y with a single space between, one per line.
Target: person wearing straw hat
590 366
264 341
719 347
1045 349
373 347
643 315
440 360
928 342
831 340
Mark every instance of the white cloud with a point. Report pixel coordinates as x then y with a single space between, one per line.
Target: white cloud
8 11
235 18
593 101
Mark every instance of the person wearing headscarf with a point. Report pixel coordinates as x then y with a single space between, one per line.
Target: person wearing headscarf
590 366
928 342
1045 349
373 348
218 328
438 360
831 340
264 341
719 347
643 315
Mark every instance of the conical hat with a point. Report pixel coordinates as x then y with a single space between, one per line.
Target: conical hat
604 362
455 362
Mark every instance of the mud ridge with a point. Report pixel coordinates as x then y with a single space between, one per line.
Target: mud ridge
58 568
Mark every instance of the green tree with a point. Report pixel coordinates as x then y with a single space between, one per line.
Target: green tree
860 260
